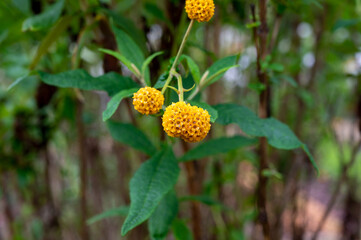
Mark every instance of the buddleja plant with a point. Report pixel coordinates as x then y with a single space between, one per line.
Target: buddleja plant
152 193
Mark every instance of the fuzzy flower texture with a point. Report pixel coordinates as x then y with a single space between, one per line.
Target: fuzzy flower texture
148 100
190 123
200 10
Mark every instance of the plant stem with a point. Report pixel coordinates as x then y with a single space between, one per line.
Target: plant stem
180 86
178 56
261 46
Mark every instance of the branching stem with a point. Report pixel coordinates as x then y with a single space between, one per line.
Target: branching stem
180 86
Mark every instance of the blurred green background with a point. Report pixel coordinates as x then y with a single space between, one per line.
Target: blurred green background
314 67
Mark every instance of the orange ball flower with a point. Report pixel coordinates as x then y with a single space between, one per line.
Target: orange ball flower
190 123
148 100
200 10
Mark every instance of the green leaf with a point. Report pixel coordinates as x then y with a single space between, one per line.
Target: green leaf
22 5
44 20
272 173
163 216
181 231
201 198
153 180
312 160
277 67
123 59
51 37
217 146
161 80
132 136
257 86
128 48
145 73
253 25
278 134
221 64
216 71
213 112
290 80
215 77
114 212
111 82
194 69
265 63
345 23
128 26
21 79
115 101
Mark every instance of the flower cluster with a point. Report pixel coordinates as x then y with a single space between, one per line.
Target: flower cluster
190 123
180 120
148 100
200 10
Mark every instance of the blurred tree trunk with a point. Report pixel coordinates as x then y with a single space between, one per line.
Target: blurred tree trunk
83 168
98 182
9 215
44 94
352 214
193 189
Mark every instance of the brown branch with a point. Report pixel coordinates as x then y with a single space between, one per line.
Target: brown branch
342 178
255 38
193 190
260 38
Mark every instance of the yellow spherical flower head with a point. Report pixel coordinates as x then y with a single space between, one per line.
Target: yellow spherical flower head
200 10
190 123
148 100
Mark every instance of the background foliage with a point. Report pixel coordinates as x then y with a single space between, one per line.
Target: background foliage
77 162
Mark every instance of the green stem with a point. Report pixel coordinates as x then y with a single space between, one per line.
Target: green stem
180 86
178 56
